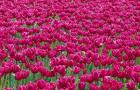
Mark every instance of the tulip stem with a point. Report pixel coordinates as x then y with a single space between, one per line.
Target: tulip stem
0 84
9 80
33 77
4 81
77 81
87 86
138 86
17 83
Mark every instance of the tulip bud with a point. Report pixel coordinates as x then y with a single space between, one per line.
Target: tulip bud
22 87
76 70
131 85
82 85
41 84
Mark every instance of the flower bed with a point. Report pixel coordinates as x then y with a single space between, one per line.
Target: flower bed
69 44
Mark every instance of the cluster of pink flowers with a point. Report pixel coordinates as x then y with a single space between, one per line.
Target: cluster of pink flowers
69 44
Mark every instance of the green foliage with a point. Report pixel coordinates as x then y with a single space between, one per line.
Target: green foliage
138 60
18 35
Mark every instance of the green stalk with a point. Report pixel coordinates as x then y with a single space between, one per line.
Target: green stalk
101 50
138 86
17 83
90 67
77 81
0 84
4 81
110 53
87 86
33 77
138 60
9 80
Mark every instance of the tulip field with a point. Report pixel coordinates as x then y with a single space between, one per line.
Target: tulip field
69 44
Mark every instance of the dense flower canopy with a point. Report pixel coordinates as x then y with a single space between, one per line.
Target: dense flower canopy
69 44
